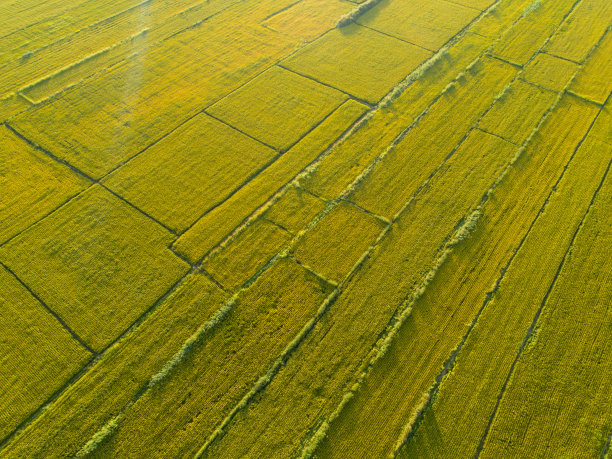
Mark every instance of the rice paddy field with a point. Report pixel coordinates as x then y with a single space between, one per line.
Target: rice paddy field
306 228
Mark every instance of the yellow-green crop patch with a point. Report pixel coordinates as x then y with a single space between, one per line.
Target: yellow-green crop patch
350 158
399 174
538 21
581 31
594 80
385 405
240 260
31 184
30 334
208 159
107 29
570 350
426 23
106 120
210 230
486 358
602 128
308 19
86 405
305 228
327 362
11 105
549 72
517 111
295 209
84 260
337 242
327 59
224 367
278 107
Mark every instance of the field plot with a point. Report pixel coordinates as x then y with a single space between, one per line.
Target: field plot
426 23
549 72
305 228
278 107
31 184
326 60
82 259
31 334
209 160
308 19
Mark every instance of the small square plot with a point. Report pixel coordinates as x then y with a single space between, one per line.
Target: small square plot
278 107
97 262
549 72
337 242
295 209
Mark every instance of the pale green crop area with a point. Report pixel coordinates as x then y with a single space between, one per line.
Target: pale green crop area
306 228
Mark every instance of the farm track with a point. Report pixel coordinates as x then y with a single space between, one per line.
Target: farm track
370 165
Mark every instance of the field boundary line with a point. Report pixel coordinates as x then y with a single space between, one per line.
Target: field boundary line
433 51
311 78
88 177
285 8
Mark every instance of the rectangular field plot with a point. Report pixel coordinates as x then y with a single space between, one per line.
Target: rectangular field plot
12 105
517 112
97 262
277 107
221 221
190 171
339 59
337 242
500 19
549 72
102 122
31 184
115 380
538 22
602 128
392 182
239 260
222 368
38 355
295 209
582 29
426 23
594 80
308 19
